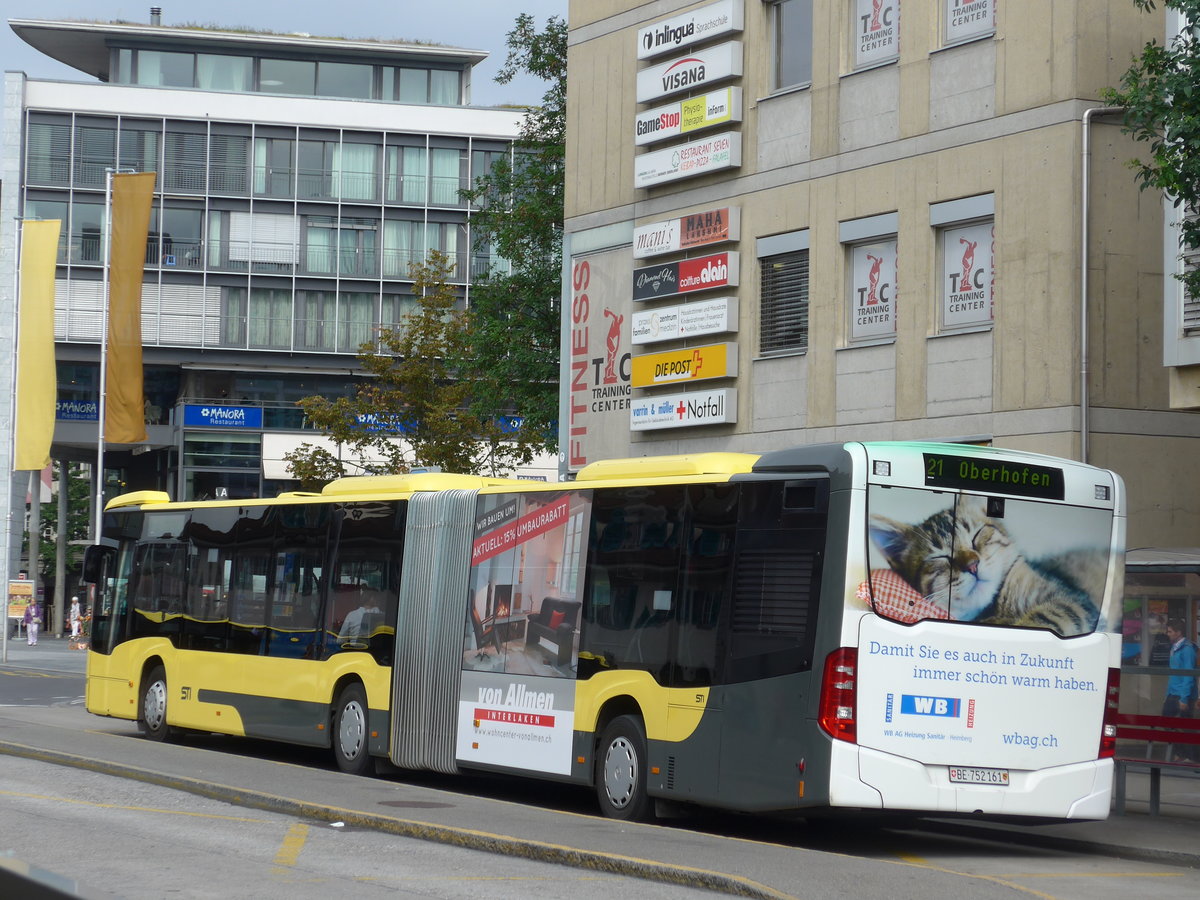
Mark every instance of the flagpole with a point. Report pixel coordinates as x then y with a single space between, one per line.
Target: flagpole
99 473
12 438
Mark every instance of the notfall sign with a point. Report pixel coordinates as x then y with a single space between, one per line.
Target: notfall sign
716 407
689 364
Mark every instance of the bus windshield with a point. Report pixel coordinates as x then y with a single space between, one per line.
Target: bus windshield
988 559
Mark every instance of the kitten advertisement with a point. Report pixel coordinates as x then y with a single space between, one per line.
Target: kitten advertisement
997 560
1001 700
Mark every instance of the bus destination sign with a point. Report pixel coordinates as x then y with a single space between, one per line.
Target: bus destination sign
993 476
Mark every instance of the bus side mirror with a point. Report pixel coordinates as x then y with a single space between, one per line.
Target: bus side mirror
95 559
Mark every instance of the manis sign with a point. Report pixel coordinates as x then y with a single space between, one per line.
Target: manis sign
711 226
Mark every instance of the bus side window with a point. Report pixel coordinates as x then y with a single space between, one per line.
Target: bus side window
632 594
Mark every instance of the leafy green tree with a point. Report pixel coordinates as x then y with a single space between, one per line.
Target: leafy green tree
413 408
78 525
1161 96
514 338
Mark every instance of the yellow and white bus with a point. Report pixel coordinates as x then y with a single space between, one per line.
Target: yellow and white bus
900 626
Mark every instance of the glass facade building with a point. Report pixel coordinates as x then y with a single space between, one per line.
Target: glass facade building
298 179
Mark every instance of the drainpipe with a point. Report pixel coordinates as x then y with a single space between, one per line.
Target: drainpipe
1084 238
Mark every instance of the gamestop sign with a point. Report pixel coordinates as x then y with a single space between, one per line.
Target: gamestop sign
721 151
703 24
686 116
686 275
699 69
717 407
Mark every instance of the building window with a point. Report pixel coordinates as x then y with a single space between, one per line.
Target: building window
352 80
442 87
872 290
447 176
95 153
274 166
356 321
51 209
316 317
876 30
139 147
224 73
968 275
1187 264
355 172
966 20
347 247
87 232
162 69
791 44
48 158
185 162
783 294
227 163
871 276
287 76
403 245
966 247
407 175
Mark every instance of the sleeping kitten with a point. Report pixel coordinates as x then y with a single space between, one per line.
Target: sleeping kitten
972 559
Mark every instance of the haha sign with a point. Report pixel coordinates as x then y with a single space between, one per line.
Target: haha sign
712 226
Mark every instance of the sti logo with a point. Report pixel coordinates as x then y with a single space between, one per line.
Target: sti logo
913 705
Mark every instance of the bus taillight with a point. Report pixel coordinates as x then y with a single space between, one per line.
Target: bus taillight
838 713
1108 732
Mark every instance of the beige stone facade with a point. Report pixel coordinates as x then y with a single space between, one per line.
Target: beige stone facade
985 131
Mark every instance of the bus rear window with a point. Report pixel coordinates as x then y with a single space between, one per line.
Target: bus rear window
986 559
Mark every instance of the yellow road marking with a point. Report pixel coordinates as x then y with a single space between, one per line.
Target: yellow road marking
293 843
170 812
1094 874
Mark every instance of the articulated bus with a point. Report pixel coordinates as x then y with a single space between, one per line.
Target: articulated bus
859 626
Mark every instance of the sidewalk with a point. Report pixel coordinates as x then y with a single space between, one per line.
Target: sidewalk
1173 837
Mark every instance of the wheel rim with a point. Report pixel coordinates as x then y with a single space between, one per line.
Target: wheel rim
352 726
155 711
620 772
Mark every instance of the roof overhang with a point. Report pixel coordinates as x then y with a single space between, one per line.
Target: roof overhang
85 45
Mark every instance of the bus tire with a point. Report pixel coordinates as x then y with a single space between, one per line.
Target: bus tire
152 706
621 771
350 730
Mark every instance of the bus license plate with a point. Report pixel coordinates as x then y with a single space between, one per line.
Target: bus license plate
968 775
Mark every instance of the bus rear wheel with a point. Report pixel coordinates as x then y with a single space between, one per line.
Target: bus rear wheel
621 771
350 730
152 708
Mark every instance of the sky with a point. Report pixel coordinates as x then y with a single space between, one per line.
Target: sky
471 24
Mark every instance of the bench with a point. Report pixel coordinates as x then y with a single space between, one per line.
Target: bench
1166 730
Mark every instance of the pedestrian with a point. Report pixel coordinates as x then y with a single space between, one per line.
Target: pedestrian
1181 689
76 616
33 621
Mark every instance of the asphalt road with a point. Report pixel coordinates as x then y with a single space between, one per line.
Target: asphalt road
138 836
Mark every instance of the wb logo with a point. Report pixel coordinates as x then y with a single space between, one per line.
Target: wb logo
913 705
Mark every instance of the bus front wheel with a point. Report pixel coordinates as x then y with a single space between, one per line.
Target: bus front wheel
152 711
350 730
621 770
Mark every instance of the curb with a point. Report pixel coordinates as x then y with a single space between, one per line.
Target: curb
1058 842
645 869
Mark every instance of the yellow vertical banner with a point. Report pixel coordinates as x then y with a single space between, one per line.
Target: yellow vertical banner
37 382
124 405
